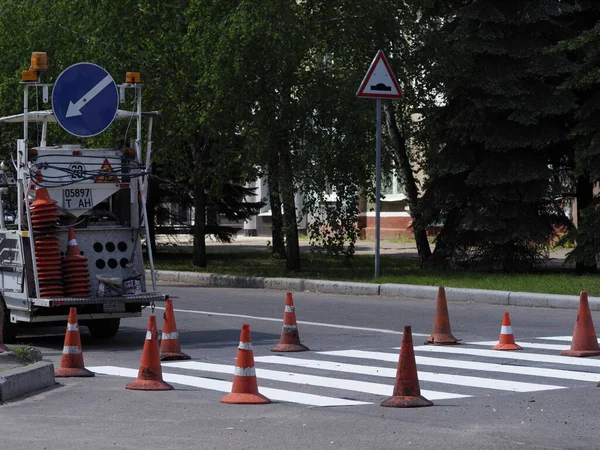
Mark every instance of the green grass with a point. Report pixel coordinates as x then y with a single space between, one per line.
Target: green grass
25 354
393 270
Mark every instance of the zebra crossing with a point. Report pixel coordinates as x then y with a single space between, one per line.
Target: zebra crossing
355 377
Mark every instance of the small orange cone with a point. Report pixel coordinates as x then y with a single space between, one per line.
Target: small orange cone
245 386
71 363
442 335
170 348
150 373
507 340
407 393
584 342
290 339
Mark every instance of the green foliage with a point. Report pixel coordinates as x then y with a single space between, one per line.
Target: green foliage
499 130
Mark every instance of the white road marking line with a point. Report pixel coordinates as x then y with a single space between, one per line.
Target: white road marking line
225 386
559 338
473 365
458 380
526 345
300 322
335 383
519 356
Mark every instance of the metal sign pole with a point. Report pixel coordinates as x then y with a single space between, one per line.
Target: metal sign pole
378 188
378 83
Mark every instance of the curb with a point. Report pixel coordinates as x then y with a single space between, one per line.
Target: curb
23 380
384 290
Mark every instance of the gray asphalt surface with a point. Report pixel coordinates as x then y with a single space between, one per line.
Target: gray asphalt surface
98 413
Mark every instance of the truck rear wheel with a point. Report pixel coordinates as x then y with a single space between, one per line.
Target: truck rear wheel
103 328
9 330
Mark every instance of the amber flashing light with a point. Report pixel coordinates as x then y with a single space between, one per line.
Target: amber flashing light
133 77
39 61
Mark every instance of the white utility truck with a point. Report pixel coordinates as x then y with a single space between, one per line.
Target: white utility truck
72 218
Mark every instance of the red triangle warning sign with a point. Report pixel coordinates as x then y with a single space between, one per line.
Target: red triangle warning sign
379 82
106 174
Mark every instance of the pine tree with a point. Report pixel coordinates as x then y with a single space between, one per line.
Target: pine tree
500 128
584 49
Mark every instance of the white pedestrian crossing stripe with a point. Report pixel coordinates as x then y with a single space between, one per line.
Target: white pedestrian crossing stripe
360 377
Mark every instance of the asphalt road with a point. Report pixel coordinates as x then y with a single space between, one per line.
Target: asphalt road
483 399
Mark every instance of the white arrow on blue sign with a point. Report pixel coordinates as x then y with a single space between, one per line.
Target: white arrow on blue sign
85 99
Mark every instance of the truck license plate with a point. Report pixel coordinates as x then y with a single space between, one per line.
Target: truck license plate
77 198
114 307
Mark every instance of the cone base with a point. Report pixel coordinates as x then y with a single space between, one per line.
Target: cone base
290 348
149 385
4 349
507 347
173 356
406 401
236 398
64 372
580 353
441 339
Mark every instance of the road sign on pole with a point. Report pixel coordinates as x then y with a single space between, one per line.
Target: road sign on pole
379 83
85 99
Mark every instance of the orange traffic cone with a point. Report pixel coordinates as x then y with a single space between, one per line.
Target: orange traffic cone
245 386
507 340
170 349
150 373
71 363
407 393
290 340
441 325
584 342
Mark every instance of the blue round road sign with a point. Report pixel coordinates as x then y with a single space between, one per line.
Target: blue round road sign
85 99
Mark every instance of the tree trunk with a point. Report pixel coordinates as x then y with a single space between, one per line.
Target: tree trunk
410 186
444 243
290 222
275 201
200 201
585 197
199 255
151 201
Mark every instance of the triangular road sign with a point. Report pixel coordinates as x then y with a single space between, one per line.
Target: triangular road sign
379 82
106 174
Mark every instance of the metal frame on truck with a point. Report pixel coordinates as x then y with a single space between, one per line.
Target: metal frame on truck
98 201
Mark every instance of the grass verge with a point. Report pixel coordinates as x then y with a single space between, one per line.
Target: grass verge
395 270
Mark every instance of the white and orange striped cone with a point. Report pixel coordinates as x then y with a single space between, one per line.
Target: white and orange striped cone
507 339
290 339
71 363
245 386
170 348
150 374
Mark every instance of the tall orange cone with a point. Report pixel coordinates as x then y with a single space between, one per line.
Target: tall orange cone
407 393
170 348
507 339
290 339
584 342
442 335
150 373
71 363
245 386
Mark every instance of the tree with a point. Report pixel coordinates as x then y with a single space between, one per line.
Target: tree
584 49
499 129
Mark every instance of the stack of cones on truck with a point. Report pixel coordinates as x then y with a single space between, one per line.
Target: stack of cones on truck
44 221
76 270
